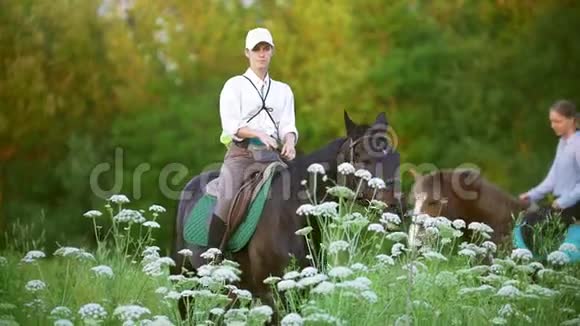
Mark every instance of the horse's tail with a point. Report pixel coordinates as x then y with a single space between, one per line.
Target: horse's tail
190 194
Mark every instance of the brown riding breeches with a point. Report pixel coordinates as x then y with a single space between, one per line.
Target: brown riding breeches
239 164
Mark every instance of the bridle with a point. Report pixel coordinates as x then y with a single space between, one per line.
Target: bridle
351 147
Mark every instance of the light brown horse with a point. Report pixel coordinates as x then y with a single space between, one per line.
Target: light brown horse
465 194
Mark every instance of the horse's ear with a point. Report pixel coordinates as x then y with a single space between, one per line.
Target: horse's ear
414 173
349 124
470 179
381 119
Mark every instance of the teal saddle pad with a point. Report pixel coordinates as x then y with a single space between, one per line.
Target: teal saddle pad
197 224
572 236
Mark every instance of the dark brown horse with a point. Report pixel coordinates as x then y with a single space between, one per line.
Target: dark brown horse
465 194
274 241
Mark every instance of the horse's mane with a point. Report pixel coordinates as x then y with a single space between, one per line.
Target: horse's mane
322 155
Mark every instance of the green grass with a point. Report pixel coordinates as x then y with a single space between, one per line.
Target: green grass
441 282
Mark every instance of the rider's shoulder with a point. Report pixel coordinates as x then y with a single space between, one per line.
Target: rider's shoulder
234 81
282 85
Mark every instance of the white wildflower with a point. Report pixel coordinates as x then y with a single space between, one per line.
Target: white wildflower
225 274
377 183
323 288
316 168
150 250
162 290
211 253
153 269
326 209
346 168
103 270
311 280
158 321
243 294
341 192
520 254
336 246
434 255
397 249
432 231
157 209
359 267
384 259
172 295
467 252
129 216
475 270
32 256
480 227
151 225
558 258
397 236
217 311
498 321
458 224
35 286
370 296
119 199
130 312
92 312
261 311
420 219
375 227
305 209
508 291
360 283
478 290
363 174
541 291
489 246
286 285
390 218
304 231
291 275
271 280
308 271
506 310
404 320
66 251
92 214
292 319
185 252
340 272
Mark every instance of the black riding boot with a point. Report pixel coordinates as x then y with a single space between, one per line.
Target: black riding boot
217 228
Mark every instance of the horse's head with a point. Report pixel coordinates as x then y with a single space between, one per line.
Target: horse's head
449 193
368 147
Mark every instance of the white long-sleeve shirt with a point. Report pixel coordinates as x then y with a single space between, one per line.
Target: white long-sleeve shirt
239 101
563 180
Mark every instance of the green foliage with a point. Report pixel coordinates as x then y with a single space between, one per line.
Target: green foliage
461 82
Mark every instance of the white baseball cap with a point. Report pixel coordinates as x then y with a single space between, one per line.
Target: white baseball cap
258 35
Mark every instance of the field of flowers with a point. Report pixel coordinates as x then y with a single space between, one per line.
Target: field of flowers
365 272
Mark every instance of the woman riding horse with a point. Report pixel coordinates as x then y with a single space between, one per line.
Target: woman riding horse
563 179
274 241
